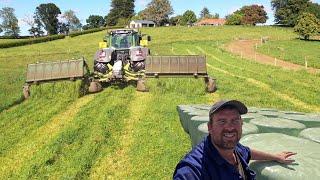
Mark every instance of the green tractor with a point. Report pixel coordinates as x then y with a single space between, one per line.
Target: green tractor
121 58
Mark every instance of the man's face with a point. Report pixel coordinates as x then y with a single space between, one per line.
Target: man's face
226 128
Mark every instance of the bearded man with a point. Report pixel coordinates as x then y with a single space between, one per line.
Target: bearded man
220 155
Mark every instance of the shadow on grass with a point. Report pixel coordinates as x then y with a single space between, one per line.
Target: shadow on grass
16 102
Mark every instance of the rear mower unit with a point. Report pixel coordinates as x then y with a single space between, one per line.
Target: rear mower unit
122 57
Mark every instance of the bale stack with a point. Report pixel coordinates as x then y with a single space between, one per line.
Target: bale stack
270 130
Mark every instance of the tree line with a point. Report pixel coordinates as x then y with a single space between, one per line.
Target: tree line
48 17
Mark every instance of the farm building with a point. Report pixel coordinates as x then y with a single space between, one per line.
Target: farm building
211 22
141 23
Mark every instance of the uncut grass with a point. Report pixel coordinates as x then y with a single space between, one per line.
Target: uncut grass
305 89
294 51
20 121
73 152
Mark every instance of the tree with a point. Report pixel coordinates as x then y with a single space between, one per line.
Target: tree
188 17
120 9
94 21
158 11
9 22
287 11
205 13
175 20
253 14
72 21
314 8
307 25
234 19
47 16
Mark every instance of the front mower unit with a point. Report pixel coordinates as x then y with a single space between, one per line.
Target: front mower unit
179 66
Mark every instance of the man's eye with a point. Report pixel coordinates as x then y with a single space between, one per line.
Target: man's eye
221 122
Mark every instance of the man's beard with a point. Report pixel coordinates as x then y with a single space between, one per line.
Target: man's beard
224 143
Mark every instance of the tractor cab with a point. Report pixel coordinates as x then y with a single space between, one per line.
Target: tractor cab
125 38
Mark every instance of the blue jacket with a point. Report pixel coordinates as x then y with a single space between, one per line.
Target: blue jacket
205 162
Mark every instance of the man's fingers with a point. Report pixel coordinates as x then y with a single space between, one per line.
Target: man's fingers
288 154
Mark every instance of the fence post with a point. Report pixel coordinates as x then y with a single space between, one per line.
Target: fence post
306 62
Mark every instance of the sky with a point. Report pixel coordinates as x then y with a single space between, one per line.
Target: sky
85 8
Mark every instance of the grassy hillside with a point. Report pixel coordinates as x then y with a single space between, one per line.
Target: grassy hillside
296 51
120 133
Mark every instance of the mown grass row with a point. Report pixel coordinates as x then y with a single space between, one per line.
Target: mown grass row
295 51
73 150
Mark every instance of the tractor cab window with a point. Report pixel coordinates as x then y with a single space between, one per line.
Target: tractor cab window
122 41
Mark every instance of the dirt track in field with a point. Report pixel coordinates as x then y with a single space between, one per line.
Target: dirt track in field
246 49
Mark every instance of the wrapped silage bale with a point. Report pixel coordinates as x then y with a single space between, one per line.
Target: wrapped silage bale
307 159
193 124
271 114
183 111
253 109
199 134
292 113
248 128
278 125
312 134
308 120
247 117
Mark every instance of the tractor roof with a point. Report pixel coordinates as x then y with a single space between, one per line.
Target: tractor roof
123 31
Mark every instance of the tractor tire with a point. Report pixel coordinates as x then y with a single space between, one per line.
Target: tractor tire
26 91
95 87
211 85
141 86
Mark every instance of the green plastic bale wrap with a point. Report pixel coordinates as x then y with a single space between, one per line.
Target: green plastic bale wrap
267 109
307 159
271 114
253 109
312 134
183 110
278 125
247 117
308 120
248 128
202 107
193 124
292 113
200 134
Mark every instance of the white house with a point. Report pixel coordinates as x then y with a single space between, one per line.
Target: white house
141 23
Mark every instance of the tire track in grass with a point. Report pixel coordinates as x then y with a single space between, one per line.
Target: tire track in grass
13 160
117 165
267 88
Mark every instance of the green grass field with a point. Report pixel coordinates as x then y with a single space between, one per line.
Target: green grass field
296 51
120 133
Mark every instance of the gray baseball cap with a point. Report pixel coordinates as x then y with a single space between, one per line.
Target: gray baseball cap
220 104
